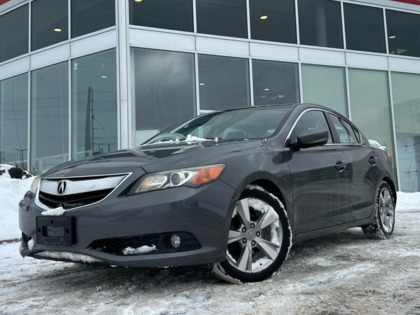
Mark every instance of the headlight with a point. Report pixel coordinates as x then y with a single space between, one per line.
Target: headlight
190 177
35 184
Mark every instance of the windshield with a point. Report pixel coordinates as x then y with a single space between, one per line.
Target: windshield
243 124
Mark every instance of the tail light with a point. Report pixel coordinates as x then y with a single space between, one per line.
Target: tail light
389 158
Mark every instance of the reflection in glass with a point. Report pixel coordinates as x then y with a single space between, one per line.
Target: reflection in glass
163 90
94 104
320 23
49 117
405 92
329 91
273 20
370 105
225 18
224 82
169 14
49 22
14 121
275 82
403 33
364 28
14 33
90 16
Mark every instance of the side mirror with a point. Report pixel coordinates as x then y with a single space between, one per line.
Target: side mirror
311 138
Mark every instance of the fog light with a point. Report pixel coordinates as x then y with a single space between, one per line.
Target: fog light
175 241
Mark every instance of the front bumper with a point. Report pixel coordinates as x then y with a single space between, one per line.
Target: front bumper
202 214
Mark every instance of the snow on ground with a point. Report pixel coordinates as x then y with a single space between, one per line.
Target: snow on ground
344 273
11 192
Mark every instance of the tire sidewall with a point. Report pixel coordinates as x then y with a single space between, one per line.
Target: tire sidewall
285 245
378 220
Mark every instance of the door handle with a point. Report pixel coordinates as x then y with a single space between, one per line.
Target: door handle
340 166
372 160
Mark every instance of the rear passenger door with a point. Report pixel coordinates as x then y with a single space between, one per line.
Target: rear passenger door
319 179
361 167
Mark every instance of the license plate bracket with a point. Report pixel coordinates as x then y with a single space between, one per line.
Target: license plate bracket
53 230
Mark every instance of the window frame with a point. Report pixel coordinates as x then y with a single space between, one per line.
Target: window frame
358 136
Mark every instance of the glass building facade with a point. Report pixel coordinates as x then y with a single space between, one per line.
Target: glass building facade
80 78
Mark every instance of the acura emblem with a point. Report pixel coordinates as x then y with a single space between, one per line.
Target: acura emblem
61 188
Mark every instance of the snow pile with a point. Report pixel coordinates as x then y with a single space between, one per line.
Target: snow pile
11 192
408 201
193 139
376 144
69 256
57 211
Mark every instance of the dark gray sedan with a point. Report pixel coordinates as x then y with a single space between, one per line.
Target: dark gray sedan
234 189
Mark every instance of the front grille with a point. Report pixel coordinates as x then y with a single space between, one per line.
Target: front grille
116 246
72 192
72 201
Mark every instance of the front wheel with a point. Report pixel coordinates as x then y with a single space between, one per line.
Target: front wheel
259 238
384 221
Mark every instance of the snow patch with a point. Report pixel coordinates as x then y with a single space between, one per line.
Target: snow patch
11 192
377 145
31 244
408 201
57 211
68 256
139 250
193 139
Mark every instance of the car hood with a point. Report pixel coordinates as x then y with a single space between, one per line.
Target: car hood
153 158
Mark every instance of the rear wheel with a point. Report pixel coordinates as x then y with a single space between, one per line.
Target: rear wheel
384 221
259 238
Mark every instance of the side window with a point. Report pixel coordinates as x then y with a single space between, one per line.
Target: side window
344 130
312 120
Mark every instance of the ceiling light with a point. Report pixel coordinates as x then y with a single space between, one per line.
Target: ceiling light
281 96
138 0
57 29
104 76
266 89
264 17
392 36
202 84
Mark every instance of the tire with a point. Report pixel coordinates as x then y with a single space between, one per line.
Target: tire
384 221
259 238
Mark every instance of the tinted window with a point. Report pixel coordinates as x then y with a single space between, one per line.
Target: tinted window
275 82
169 14
14 121
320 23
344 131
364 28
273 20
163 90
224 82
403 33
49 22
312 120
405 93
221 17
49 117
14 33
90 16
94 104
331 91
371 105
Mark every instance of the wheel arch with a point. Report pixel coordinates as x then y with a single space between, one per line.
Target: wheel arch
391 184
279 186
